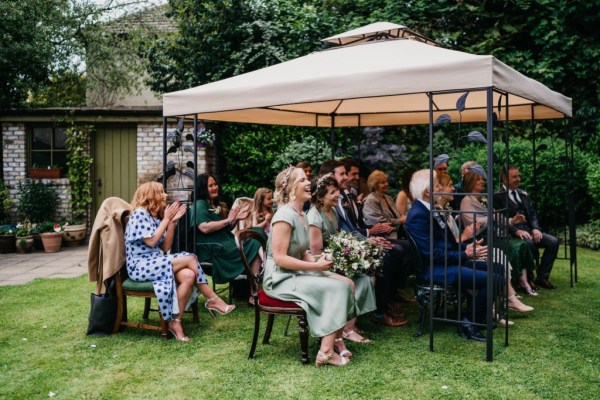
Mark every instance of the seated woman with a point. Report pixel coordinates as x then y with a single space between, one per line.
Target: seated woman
262 211
378 206
214 225
404 199
174 277
473 210
323 222
293 274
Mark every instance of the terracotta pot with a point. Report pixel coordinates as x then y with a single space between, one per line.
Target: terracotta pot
44 173
52 241
7 244
73 235
24 244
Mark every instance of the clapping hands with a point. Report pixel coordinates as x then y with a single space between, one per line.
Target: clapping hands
174 211
476 250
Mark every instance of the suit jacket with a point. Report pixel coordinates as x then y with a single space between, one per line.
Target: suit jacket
106 252
445 248
503 200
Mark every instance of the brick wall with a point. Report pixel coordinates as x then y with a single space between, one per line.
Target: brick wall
14 150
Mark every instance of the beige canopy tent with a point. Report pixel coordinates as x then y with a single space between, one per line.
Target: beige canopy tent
370 83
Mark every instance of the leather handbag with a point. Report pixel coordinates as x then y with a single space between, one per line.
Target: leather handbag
103 311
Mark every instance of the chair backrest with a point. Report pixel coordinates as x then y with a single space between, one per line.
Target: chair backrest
415 254
241 237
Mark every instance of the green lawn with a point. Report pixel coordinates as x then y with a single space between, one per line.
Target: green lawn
553 353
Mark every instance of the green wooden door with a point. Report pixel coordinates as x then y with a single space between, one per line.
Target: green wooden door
115 163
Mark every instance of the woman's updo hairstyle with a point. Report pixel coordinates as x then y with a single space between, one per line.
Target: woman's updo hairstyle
319 187
285 184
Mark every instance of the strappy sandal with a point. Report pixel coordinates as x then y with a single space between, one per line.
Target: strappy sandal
179 339
348 336
326 360
214 310
343 353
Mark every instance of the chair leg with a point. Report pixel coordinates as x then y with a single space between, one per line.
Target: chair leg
422 309
195 316
303 338
267 336
147 307
119 316
163 327
256 329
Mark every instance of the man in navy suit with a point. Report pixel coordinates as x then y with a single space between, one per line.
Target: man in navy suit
393 253
524 224
451 260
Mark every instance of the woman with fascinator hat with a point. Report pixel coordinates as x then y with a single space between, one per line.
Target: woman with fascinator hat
293 274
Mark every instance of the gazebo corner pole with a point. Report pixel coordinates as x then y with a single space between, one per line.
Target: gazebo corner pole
332 136
164 177
507 138
490 228
431 191
571 205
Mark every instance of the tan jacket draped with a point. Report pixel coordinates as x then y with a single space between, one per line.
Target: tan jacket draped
106 253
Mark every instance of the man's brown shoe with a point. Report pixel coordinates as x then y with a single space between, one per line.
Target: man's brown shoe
388 320
545 283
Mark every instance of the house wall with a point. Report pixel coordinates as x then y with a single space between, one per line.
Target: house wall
149 161
14 154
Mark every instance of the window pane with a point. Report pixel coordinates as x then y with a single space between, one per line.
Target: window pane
42 139
60 139
40 159
60 158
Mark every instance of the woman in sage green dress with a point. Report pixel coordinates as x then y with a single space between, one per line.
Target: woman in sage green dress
293 274
323 222
214 225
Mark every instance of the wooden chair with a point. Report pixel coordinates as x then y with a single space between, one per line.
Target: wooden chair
266 304
425 294
126 287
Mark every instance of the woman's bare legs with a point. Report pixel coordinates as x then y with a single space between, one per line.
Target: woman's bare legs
350 331
185 278
214 300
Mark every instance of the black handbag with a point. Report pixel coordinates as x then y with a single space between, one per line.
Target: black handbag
103 311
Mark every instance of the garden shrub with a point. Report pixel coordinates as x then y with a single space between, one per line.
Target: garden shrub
588 235
36 202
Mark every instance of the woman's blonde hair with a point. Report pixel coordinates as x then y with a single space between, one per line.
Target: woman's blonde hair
285 184
376 178
149 195
444 179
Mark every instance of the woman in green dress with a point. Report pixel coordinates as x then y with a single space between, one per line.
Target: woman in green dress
293 274
323 222
214 225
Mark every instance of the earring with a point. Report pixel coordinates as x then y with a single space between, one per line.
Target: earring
292 197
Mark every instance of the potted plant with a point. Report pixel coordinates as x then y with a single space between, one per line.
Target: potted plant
73 232
79 162
52 236
49 172
24 239
204 136
7 239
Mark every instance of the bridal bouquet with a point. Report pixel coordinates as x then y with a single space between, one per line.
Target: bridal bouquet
353 256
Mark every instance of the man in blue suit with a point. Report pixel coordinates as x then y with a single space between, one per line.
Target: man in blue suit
451 260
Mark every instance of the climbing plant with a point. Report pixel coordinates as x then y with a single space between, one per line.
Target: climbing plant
79 163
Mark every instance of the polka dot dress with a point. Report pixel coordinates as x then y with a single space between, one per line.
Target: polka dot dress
145 263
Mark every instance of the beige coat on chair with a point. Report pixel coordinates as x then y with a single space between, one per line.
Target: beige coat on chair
106 253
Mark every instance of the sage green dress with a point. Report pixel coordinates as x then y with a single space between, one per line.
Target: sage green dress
227 263
328 302
365 291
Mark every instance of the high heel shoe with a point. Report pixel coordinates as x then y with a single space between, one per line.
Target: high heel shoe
214 310
326 360
343 353
530 291
517 305
179 339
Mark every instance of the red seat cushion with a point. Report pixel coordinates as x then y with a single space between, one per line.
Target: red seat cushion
267 301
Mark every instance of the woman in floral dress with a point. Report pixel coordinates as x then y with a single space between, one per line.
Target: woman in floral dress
293 274
176 278
323 222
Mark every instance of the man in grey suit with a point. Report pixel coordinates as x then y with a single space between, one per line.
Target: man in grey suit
524 224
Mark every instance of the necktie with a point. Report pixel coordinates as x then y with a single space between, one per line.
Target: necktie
516 198
352 201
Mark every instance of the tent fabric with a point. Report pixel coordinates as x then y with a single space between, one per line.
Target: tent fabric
375 31
377 83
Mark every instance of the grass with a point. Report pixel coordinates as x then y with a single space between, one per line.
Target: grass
553 353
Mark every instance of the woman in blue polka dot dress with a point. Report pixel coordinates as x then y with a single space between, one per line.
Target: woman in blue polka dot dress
176 278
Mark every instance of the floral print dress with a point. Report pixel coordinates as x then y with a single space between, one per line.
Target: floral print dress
145 263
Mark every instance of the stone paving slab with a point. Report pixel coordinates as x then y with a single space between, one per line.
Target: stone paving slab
18 269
